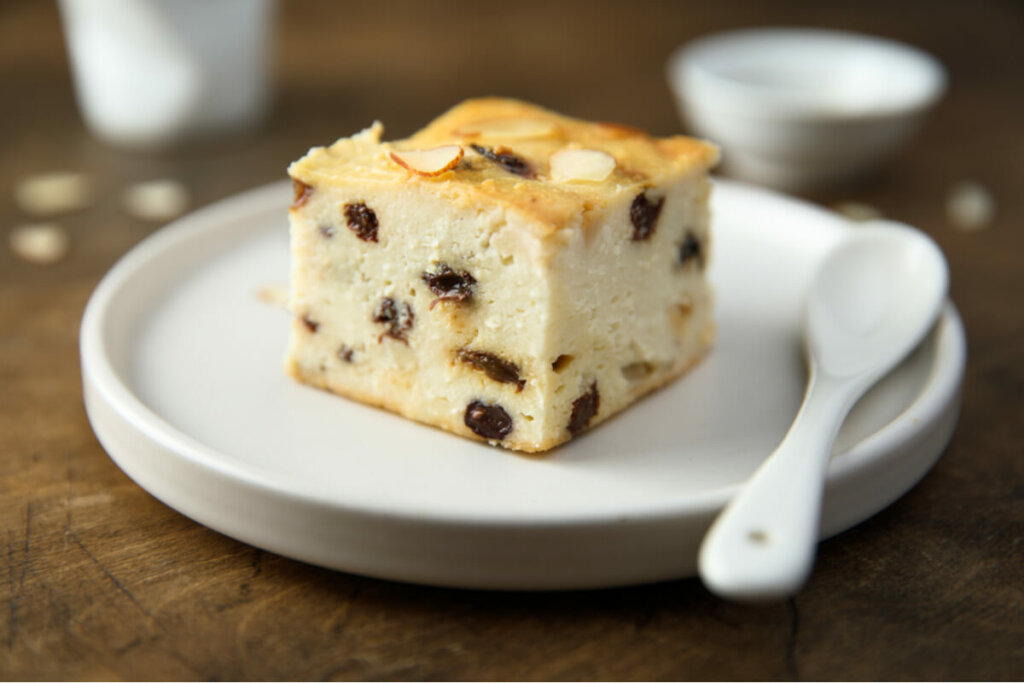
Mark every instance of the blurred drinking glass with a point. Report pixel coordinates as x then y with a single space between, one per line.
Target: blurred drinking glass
151 73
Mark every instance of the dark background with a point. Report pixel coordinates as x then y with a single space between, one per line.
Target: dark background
99 580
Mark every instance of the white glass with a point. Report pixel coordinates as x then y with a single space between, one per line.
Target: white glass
154 72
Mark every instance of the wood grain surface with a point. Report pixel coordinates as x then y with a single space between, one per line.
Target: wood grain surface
102 581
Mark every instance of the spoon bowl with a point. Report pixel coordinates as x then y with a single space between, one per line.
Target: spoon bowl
873 300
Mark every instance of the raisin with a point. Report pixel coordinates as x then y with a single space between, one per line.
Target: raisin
362 220
562 362
507 159
498 369
644 215
449 285
690 250
302 193
386 311
398 319
310 324
584 408
346 353
326 231
488 420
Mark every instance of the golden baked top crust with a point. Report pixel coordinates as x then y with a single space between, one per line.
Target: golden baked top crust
512 153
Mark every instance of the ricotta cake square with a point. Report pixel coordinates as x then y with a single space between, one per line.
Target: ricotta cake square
507 274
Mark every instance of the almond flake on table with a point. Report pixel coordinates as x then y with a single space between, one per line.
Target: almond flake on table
274 295
46 194
41 244
970 206
156 200
858 212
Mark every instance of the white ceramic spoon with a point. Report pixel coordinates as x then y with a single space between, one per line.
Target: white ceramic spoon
874 299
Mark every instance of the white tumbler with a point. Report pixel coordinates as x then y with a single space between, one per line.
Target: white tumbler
151 73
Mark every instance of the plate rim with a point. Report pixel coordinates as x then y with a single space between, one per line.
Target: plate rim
109 396
935 395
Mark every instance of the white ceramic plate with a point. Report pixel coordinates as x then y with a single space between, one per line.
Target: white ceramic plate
182 369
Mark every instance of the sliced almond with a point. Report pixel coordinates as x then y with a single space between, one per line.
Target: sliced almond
46 194
274 295
619 130
428 162
42 244
508 129
970 206
589 165
156 200
858 211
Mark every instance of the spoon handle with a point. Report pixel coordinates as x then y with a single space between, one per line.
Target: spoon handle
762 545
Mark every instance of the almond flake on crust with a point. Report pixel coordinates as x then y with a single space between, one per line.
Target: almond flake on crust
589 165
508 129
428 162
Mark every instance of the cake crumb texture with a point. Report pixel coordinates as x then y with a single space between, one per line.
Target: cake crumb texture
507 274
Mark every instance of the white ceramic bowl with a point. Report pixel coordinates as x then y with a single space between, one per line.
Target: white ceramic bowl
803 108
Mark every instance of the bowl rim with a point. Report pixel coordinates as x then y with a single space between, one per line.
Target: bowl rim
698 86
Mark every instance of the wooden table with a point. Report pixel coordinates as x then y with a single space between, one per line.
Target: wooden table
100 580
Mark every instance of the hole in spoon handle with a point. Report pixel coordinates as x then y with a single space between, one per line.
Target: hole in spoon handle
759 537
762 545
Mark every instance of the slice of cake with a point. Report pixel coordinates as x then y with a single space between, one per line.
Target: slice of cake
507 274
